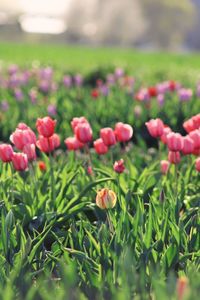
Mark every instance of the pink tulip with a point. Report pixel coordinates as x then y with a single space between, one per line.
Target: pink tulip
166 131
174 141
46 126
48 144
197 164
76 121
155 127
164 166
72 143
196 121
83 132
100 147
20 161
188 145
195 136
174 157
29 150
119 166
6 152
21 137
123 132
108 136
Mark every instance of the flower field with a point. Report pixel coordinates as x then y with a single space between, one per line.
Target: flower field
100 183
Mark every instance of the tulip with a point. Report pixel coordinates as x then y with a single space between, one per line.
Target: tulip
67 81
181 287
164 166
20 161
189 125
51 109
29 150
197 164
48 144
106 198
108 136
184 94
166 131
152 91
89 170
94 93
119 166
123 132
76 121
72 143
174 157
188 145
6 152
83 132
195 136
196 121
45 126
100 147
21 137
155 127
175 141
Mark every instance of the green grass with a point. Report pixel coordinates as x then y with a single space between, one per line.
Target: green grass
85 58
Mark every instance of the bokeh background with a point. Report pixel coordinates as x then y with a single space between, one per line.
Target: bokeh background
172 25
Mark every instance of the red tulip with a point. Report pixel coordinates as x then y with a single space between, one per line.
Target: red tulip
83 132
48 144
119 166
20 161
152 91
189 125
174 157
188 145
95 93
164 166
175 141
100 147
6 152
76 121
182 288
72 143
29 150
108 136
197 164
155 127
123 132
46 126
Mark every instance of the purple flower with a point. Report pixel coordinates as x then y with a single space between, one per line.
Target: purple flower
78 80
51 109
160 99
46 73
18 95
67 81
104 90
119 72
33 94
198 91
184 94
110 79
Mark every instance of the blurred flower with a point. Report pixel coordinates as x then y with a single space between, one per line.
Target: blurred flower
75 121
185 94
51 109
78 80
94 93
123 132
182 287
29 150
188 145
22 137
45 126
42 165
197 164
106 198
160 99
174 141
4 106
67 81
174 157
48 144
83 132
164 166
155 127
137 111
108 136
18 94
72 143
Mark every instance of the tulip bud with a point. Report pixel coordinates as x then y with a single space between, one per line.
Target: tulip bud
119 166
164 166
182 287
42 165
106 198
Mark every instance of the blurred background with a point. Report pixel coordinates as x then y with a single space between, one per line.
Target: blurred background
171 25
